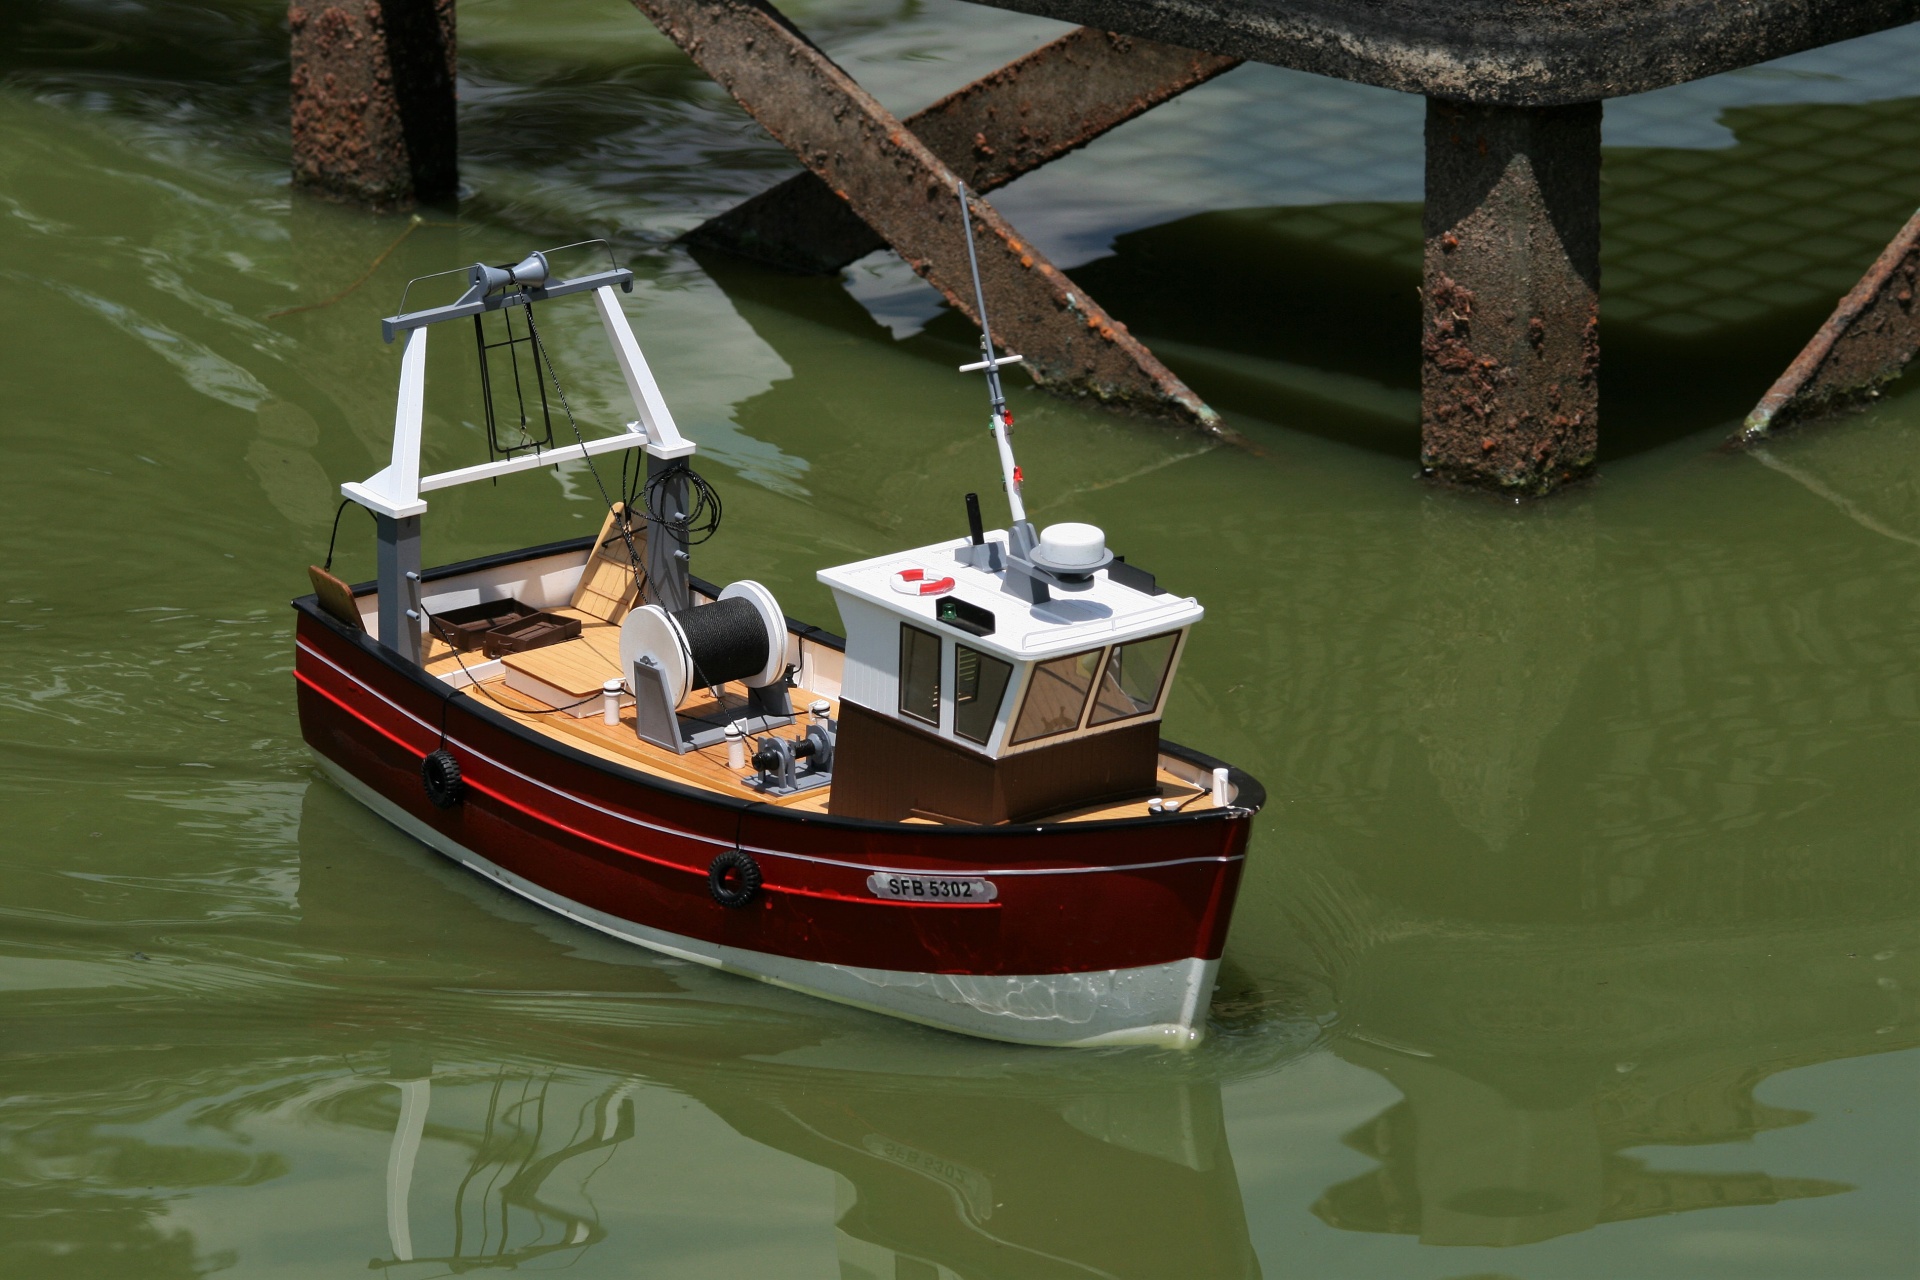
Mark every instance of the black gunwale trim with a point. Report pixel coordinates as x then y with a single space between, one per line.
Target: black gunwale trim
1252 798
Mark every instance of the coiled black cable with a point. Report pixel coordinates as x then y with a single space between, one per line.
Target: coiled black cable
702 518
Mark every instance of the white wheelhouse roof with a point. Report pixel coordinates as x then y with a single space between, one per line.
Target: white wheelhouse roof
1103 614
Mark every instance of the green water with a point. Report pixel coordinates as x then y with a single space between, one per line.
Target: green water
1580 932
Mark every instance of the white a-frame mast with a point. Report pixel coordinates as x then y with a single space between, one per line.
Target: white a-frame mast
393 494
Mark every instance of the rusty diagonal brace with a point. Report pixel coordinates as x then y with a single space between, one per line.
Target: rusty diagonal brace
1864 344
1032 111
902 190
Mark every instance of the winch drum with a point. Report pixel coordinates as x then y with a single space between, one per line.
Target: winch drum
740 636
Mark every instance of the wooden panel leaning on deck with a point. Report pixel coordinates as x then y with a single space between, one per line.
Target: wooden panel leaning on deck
609 585
890 771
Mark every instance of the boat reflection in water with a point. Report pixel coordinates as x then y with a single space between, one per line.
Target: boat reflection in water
950 1158
929 1181
505 1213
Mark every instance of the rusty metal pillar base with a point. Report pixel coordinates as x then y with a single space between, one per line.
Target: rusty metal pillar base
1510 347
373 101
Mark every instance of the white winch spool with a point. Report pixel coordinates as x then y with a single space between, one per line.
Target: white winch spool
651 632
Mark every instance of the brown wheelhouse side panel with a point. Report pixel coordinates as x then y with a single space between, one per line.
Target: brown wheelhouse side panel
889 771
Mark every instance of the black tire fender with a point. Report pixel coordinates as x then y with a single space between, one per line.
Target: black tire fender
734 878
440 775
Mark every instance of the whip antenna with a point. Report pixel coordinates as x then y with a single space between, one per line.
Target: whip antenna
1001 422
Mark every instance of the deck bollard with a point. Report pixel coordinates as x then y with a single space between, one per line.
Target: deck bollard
610 702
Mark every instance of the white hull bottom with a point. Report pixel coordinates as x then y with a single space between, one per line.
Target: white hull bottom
1159 1004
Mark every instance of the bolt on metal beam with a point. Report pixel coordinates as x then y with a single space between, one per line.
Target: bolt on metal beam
1032 111
1865 344
900 188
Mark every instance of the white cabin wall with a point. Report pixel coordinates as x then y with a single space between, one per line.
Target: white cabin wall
822 670
871 674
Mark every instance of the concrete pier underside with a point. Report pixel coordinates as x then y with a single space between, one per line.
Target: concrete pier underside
1510 345
1520 53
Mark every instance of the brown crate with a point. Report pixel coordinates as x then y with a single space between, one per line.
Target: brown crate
535 631
466 629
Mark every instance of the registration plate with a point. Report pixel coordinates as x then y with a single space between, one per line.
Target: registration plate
906 887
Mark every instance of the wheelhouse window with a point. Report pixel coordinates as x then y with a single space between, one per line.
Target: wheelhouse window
979 683
1056 695
920 675
1131 683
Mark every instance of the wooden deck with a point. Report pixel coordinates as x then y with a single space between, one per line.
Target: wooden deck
579 668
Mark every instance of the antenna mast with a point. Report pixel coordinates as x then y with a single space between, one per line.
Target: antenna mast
1001 421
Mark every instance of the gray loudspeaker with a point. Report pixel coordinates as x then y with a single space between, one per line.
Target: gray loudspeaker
530 270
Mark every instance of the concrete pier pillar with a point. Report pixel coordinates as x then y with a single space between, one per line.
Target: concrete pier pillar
1510 347
373 101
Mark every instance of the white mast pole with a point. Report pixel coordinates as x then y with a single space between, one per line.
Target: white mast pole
1009 469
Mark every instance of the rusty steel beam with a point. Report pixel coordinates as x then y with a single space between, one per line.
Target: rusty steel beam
373 101
1864 345
900 188
1510 347
1034 110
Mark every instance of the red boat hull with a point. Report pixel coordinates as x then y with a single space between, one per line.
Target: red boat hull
1130 914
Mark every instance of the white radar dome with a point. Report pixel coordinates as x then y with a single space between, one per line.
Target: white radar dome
1073 546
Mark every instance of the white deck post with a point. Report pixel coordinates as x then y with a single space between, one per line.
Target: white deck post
393 495
668 561
663 436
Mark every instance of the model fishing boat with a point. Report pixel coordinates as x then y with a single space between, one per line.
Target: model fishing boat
961 814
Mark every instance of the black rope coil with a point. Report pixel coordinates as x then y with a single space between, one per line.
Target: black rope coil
726 640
